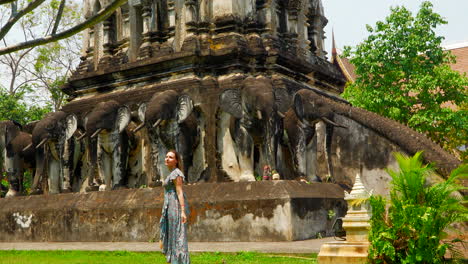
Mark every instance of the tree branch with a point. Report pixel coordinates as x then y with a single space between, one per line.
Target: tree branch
15 17
3 2
58 17
101 15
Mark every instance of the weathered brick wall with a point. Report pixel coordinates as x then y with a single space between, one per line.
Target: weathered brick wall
247 211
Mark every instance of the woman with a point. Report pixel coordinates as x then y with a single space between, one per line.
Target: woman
173 227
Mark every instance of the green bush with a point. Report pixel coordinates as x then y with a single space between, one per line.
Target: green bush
410 227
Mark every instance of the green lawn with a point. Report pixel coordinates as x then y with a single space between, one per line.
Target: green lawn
125 257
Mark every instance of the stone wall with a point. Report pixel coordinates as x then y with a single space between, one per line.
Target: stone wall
254 211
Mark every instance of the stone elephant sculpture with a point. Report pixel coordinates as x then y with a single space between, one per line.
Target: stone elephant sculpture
256 110
108 121
88 159
54 151
171 124
300 127
14 155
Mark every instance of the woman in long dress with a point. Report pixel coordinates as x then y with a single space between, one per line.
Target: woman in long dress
173 224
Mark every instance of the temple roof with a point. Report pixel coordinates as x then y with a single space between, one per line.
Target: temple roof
460 51
342 63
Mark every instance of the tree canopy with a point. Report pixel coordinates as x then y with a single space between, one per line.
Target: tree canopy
17 13
38 72
404 74
13 107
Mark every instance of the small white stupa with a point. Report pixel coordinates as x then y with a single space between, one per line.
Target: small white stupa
356 223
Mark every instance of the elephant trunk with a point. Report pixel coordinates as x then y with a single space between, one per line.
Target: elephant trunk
270 146
40 164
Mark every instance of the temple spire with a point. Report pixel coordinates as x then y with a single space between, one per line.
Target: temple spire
334 51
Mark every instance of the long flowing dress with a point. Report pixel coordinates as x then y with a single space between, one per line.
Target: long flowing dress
173 233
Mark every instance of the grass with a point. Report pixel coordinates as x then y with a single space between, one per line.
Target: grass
117 257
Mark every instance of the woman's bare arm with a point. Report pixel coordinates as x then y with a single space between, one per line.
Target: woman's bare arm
180 194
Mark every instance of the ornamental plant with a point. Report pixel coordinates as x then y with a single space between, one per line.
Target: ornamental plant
411 227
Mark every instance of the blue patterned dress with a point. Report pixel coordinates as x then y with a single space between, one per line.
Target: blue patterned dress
173 233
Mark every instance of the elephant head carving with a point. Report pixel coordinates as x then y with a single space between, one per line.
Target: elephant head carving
108 116
256 110
50 137
310 108
54 126
171 125
164 107
300 122
14 156
256 100
108 122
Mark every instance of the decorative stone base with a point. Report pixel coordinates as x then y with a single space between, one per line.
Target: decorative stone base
343 252
243 211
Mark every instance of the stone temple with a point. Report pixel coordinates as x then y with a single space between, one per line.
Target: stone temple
238 88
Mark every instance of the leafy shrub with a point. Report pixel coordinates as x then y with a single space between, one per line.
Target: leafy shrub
411 229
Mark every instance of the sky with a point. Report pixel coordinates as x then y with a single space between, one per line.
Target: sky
348 19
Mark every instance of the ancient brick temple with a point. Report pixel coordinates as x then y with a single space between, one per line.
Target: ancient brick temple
239 88
200 49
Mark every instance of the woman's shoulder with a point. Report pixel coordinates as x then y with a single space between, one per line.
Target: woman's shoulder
176 173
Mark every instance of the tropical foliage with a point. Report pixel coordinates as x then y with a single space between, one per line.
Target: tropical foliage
14 107
411 227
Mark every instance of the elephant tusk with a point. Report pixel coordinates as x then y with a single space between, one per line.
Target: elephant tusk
81 136
138 128
96 133
280 114
27 147
259 114
41 143
157 123
300 122
328 121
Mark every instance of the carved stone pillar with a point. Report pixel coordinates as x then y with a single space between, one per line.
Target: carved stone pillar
292 29
169 27
204 18
109 39
263 15
90 51
227 15
304 42
86 61
316 34
267 16
171 19
124 43
191 17
145 50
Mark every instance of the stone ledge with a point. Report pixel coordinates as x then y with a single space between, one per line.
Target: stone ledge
245 211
